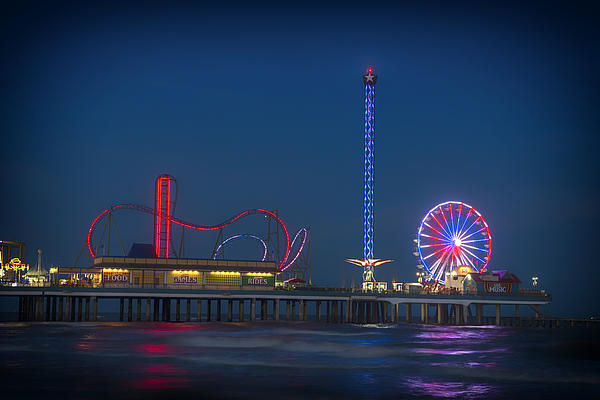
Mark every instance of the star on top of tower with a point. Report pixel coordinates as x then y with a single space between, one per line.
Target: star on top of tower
369 78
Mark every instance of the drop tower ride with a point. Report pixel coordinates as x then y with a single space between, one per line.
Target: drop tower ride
368 262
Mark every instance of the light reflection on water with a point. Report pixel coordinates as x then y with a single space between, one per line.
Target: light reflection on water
419 387
291 360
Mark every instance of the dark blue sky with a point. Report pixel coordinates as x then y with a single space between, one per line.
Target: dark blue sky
495 105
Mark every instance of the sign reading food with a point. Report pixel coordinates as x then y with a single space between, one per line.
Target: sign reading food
115 277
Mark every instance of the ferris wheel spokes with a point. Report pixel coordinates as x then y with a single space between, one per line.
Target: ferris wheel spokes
443 243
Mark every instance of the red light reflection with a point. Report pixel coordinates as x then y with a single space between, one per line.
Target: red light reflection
156 348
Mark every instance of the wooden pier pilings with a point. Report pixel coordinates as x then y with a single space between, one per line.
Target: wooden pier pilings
57 304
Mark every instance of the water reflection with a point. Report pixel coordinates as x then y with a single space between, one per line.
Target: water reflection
457 352
156 348
273 360
444 389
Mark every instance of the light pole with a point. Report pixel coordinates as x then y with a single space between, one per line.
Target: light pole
534 281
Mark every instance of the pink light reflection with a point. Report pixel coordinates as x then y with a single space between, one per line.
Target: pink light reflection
456 352
159 383
419 387
156 348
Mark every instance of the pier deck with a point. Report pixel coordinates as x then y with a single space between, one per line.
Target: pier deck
56 303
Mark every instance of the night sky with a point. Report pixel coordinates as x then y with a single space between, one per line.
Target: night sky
254 106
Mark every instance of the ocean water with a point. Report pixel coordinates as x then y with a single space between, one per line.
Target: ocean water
295 360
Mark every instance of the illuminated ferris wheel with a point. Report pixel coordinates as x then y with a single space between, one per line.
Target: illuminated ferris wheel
453 234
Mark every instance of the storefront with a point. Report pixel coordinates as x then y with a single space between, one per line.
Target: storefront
176 273
492 283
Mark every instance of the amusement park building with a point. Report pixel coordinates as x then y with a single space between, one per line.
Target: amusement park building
495 282
174 273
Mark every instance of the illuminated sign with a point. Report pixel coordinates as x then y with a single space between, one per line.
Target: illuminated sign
189 277
16 264
258 280
116 276
498 287
185 279
464 270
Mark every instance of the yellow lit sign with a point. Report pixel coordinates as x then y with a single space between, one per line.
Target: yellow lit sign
16 264
224 273
464 270
114 270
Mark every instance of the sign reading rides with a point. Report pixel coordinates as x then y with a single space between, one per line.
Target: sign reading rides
258 280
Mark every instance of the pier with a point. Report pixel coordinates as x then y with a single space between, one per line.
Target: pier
331 306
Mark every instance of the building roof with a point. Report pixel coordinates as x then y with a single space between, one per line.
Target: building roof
185 263
495 276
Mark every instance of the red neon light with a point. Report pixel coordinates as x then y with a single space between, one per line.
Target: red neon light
168 218
163 187
438 222
260 210
157 218
89 238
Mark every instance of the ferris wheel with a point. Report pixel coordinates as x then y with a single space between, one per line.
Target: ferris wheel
453 234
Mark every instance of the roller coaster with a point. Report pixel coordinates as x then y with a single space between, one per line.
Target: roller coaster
164 218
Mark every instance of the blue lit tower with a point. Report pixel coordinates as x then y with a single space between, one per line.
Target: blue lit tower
369 80
368 261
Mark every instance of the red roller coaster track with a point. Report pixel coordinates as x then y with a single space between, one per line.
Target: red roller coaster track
178 221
